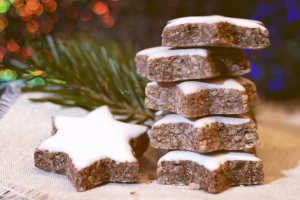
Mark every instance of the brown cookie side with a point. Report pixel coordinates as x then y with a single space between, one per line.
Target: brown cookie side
229 61
243 37
245 172
51 161
56 161
213 101
179 68
220 34
102 171
231 173
218 62
214 137
250 89
161 97
140 144
141 64
190 35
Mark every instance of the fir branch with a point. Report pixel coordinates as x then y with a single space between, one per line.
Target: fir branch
87 73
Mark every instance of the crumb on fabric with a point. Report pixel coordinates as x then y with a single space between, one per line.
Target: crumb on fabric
194 186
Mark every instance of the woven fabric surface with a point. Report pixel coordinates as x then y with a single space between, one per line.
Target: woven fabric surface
26 124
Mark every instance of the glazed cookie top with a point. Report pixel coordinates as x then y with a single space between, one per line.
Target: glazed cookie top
160 52
216 19
210 162
152 50
201 122
93 137
189 87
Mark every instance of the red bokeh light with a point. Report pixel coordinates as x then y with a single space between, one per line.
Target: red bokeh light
22 11
50 5
18 3
32 5
108 21
12 46
32 26
40 10
100 8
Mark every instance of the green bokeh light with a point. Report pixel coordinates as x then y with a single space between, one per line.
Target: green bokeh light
4 6
38 81
7 75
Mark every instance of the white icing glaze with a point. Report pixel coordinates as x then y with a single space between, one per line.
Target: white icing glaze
232 120
201 122
178 52
158 113
216 19
93 137
152 50
189 87
157 52
153 83
204 121
172 118
210 162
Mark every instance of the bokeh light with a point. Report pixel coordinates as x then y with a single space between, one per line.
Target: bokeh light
32 26
100 8
32 6
12 46
37 73
36 81
50 5
108 21
4 6
7 75
40 10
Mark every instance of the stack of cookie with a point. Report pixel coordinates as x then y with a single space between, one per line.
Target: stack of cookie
204 105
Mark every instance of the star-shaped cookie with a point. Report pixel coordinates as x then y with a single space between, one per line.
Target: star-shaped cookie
93 149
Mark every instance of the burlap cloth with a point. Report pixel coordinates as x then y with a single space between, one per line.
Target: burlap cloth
26 124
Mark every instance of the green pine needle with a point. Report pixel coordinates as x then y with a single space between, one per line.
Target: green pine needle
87 73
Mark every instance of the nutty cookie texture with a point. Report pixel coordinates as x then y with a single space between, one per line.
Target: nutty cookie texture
203 135
197 99
218 31
163 64
93 150
213 173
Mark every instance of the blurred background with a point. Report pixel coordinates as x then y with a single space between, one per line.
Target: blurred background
139 23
